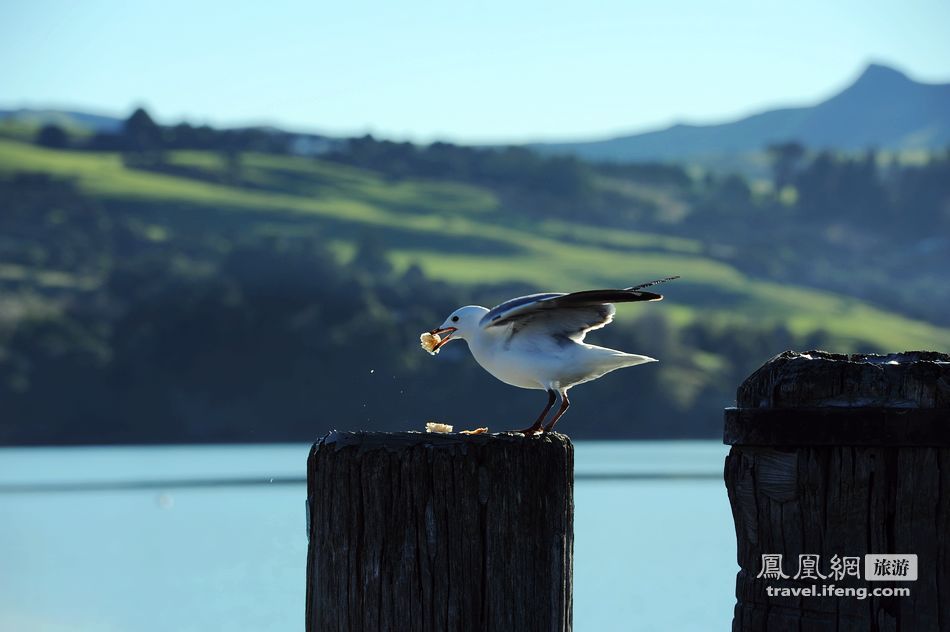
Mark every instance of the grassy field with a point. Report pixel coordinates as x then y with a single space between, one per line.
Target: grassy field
460 233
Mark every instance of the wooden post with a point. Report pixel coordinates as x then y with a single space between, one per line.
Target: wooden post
840 455
418 532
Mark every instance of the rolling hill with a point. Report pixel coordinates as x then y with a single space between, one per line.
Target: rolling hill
883 109
71 120
189 297
457 233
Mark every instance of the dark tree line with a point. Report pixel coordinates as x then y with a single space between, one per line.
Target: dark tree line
140 133
872 228
539 185
826 187
501 166
910 199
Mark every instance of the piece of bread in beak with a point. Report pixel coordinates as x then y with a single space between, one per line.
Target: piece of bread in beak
430 342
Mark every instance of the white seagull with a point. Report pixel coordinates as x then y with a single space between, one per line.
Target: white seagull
537 341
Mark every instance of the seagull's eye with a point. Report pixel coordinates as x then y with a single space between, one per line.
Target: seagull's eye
455 319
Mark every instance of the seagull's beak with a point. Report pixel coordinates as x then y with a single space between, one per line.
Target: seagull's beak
447 331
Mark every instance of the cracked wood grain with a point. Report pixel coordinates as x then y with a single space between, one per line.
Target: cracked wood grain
420 532
824 471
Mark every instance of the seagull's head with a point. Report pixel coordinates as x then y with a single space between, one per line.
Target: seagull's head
461 324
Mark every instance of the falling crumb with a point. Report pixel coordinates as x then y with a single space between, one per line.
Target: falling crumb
476 431
430 342
434 426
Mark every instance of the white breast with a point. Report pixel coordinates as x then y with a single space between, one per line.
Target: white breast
515 364
542 362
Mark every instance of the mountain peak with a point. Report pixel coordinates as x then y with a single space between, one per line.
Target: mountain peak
877 84
879 73
881 108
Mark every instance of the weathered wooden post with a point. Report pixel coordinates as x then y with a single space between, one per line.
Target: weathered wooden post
841 456
418 532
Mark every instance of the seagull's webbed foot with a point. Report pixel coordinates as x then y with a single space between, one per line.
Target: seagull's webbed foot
537 427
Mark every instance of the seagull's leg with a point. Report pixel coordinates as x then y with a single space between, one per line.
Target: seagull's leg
536 427
565 404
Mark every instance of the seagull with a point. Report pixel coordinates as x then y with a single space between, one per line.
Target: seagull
537 341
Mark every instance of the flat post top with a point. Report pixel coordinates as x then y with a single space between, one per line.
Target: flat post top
394 441
821 398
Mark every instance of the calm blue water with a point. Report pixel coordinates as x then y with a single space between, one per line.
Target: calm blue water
649 554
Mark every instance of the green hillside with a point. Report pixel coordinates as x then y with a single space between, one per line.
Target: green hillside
459 233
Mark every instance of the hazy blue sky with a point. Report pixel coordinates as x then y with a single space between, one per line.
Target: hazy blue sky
490 70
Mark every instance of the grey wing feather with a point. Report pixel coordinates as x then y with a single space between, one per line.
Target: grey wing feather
565 323
524 305
512 308
571 315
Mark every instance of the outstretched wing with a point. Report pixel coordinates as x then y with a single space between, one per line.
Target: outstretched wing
566 315
563 323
